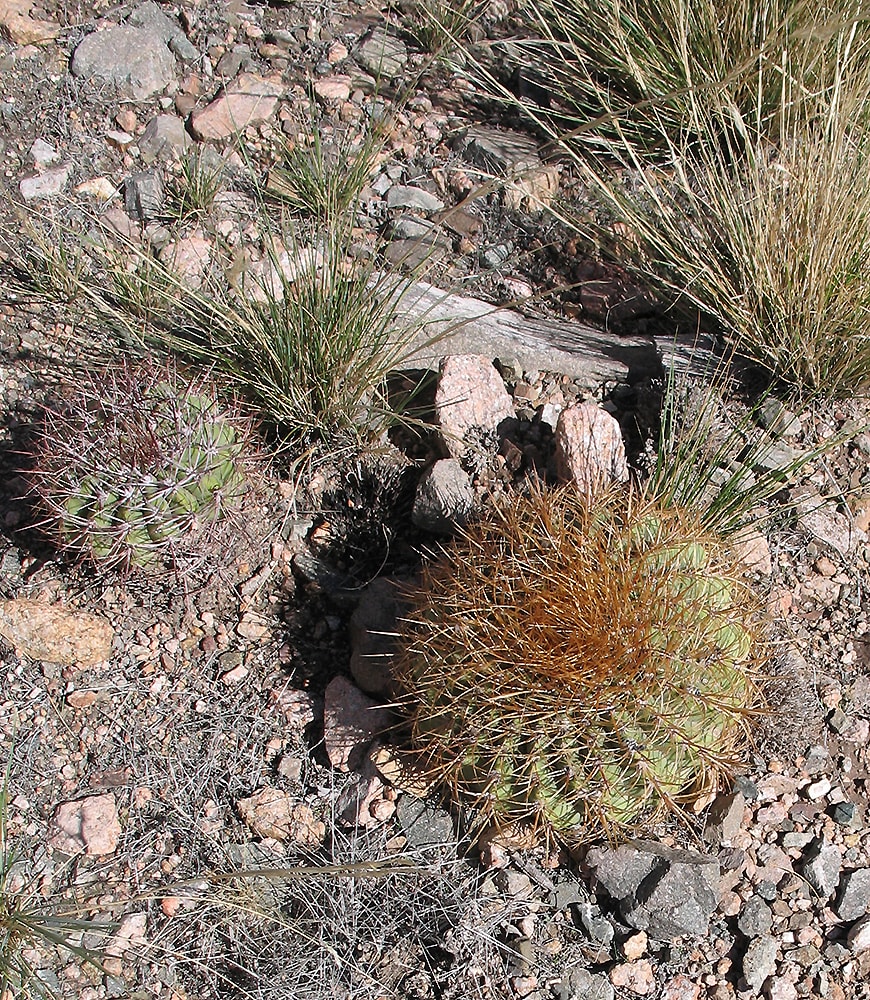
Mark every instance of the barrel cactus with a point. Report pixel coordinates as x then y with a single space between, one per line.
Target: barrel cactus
580 662
133 462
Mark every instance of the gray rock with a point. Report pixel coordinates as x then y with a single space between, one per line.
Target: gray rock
773 416
818 761
825 523
409 227
663 891
724 818
163 139
48 184
143 195
404 196
149 15
596 925
416 255
775 456
498 151
853 895
859 937
584 985
232 62
822 869
135 60
424 824
381 53
496 256
44 154
620 871
759 962
846 814
444 497
755 918
567 894
372 625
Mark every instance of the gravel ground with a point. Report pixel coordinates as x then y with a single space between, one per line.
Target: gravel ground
181 793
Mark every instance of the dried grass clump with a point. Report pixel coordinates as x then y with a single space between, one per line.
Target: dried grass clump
580 663
653 63
769 243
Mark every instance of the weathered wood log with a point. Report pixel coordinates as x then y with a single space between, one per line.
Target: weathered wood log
449 323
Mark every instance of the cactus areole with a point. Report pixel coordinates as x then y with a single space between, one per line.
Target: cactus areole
580 663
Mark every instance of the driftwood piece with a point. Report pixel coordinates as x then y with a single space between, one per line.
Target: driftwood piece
459 324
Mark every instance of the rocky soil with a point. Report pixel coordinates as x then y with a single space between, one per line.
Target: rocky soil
197 763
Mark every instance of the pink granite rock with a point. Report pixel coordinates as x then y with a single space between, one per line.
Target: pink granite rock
472 405
49 632
89 824
273 813
589 448
350 723
248 100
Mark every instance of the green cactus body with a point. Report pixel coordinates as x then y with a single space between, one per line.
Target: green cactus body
579 663
129 467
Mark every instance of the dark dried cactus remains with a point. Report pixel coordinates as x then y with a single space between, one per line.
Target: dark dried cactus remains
133 462
580 663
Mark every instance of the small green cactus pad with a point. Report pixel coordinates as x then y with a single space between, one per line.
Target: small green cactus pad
581 663
134 461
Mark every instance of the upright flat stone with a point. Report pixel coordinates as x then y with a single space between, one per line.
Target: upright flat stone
472 405
164 137
381 53
589 448
135 60
500 151
853 894
350 723
248 100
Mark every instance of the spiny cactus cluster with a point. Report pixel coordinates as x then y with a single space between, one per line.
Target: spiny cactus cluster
134 461
581 663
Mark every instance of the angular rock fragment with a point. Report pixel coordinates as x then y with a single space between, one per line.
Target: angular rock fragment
90 824
21 26
822 869
248 100
350 723
164 137
270 812
759 961
444 497
664 891
136 61
381 53
143 195
724 819
853 894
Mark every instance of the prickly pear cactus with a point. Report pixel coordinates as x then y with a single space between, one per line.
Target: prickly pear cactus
134 462
580 663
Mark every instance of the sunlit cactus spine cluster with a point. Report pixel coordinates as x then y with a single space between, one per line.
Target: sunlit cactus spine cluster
581 663
132 463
